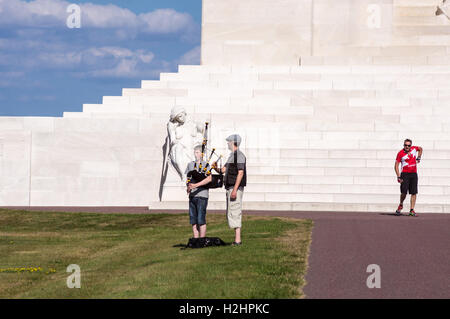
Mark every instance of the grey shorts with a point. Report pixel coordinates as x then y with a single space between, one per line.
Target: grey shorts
234 209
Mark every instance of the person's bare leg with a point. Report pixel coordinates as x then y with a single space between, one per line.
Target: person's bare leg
237 233
195 231
413 201
402 198
202 230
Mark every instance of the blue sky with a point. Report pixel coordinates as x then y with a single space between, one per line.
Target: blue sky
47 68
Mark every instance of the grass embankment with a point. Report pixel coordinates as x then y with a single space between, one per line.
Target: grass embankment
132 256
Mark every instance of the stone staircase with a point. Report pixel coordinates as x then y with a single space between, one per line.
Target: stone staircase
338 130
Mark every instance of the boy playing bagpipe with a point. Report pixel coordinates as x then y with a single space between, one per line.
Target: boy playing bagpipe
198 195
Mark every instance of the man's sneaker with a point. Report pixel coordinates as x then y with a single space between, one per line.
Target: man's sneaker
399 210
412 213
237 244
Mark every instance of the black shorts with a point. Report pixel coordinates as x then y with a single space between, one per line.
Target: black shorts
409 183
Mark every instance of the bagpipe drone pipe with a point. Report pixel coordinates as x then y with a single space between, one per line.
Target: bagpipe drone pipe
199 174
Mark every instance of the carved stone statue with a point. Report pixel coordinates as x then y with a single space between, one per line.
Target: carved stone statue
183 135
444 8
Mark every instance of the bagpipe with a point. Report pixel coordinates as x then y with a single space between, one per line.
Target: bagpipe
200 173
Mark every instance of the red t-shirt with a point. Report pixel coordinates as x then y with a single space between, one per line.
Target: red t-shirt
409 163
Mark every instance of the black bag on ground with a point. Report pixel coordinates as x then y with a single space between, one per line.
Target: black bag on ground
205 242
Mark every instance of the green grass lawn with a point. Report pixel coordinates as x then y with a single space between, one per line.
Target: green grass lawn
132 256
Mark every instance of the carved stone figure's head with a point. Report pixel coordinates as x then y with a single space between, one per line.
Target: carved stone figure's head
178 114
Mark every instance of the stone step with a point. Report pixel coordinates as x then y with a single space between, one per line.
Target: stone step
332 197
297 122
333 65
386 60
366 153
321 97
428 20
335 95
412 30
153 84
336 82
333 104
280 165
294 117
306 78
204 73
333 171
159 92
415 11
284 188
74 115
398 4
307 73
139 100
394 49
297 176
294 95
230 109
107 115
313 116
341 162
360 172
301 119
308 207
289 83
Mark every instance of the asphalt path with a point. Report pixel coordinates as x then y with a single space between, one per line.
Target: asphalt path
413 253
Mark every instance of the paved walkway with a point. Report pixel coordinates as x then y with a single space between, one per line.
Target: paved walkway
413 252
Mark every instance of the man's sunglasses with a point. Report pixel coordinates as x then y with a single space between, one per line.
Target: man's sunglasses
407 145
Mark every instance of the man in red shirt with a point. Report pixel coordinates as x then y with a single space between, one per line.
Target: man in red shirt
409 156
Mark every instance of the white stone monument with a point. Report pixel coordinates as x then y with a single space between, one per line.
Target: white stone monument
268 32
323 93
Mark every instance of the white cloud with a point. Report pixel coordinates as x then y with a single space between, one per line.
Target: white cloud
107 16
51 13
10 79
165 21
42 13
125 68
112 57
12 74
43 43
92 61
192 57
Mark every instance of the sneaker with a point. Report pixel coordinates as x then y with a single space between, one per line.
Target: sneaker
399 210
237 244
412 213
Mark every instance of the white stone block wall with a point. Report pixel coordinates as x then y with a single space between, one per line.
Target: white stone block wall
15 150
293 32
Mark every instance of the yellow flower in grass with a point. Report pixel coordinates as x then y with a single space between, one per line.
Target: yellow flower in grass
27 269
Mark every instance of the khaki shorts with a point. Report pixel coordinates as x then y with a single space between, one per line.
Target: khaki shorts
234 209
